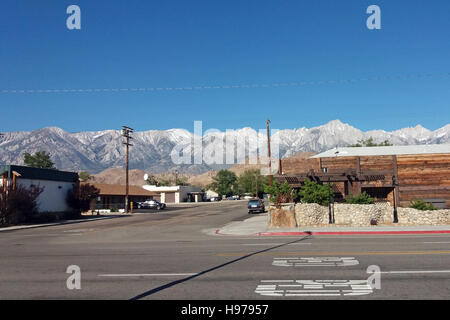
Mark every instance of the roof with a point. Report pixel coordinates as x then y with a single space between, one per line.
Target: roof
120 190
385 151
39 174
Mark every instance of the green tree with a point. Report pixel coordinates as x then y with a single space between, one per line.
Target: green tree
225 183
182 181
313 192
251 181
40 159
370 143
151 180
163 183
84 176
281 193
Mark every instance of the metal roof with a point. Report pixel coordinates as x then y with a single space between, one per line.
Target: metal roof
385 151
39 174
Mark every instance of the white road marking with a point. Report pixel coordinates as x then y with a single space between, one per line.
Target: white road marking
315 262
438 242
416 271
314 288
78 230
148 275
274 244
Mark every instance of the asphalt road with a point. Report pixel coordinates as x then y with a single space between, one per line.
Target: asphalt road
174 254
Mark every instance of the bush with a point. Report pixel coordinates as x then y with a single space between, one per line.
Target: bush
280 193
45 217
422 205
80 197
362 198
18 205
313 192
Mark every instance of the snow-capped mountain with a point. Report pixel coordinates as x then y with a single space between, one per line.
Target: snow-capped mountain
151 150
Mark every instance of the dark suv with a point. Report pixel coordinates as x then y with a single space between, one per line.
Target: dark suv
256 205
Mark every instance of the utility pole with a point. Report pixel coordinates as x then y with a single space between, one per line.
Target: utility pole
176 177
257 193
268 153
126 133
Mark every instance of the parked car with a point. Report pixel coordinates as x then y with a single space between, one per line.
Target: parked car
151 204
256 205
233 198
215 199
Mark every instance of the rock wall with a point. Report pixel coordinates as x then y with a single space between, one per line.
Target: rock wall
311 214
283 217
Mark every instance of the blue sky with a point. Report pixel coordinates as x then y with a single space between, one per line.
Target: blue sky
153 44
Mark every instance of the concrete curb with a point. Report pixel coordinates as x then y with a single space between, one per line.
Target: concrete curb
268 234
219 232
352 233
23 227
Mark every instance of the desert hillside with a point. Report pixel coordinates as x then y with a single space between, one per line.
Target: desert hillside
136 177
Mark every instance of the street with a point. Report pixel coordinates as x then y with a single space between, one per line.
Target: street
176 254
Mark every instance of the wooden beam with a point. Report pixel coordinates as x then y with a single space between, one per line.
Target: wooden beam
397 193
358 175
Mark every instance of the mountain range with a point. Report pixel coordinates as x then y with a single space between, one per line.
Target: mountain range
95 151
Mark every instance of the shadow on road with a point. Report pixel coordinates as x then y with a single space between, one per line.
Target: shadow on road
173 283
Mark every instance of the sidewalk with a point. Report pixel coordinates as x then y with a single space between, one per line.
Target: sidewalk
257 226
39 225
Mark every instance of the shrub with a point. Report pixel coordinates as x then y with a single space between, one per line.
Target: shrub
363 198
281 193
422 205
80 197
45 217
18 205
313 192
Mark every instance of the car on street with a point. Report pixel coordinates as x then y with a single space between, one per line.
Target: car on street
151 204
256 205
215 199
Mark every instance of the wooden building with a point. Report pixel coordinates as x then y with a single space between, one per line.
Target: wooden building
407 173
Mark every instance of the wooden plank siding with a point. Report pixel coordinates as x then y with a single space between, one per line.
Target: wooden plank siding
293 166
422 176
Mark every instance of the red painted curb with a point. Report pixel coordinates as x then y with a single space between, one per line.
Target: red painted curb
340 233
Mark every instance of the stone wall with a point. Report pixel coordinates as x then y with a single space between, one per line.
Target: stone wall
310 214
282 217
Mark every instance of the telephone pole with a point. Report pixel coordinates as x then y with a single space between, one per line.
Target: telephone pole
268 153
126 133
176 177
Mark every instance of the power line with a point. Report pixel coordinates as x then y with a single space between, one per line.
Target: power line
244 86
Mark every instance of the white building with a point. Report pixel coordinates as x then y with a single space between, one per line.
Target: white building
211 194
55 184
176 194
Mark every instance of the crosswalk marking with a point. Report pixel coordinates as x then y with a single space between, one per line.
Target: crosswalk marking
315 262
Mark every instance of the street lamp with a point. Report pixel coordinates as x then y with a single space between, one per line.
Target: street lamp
395 184
330 217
